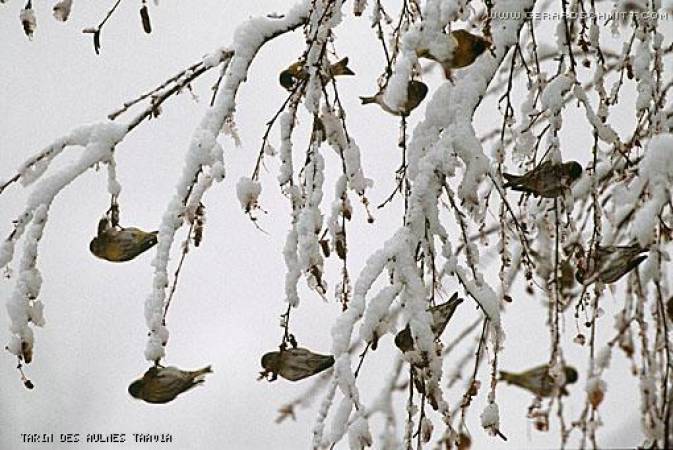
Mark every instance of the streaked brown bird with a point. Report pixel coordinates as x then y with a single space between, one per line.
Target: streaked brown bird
466 48
610 263
297 72
119 244
548 180
441 314
163 384
416 92
538 381
295 364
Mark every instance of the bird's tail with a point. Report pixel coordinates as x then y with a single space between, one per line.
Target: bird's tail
198 375
205 370
341 68
511 179
506 376
367 100
635 262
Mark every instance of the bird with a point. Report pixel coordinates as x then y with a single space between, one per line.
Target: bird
548 180
538 381
441 314
610 263
463 49
416 92
294 364
297 72
118 244
162 384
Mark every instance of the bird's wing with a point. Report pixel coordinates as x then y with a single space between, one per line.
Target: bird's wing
167 384
298 364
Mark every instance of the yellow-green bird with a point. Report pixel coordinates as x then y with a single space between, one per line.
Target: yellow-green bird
416 92
548 180
163 384
119 244
467 47
538 381
441 314
295 364
611 263
297 72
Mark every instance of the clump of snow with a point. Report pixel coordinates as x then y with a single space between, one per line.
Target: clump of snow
552 96
286 126
490 418
656 174
247 191
216 57
359 435
643 73
349 150
376 311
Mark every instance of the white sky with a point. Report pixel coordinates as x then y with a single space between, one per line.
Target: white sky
227 306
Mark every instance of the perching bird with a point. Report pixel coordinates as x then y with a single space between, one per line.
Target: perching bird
538 381
547 180
163 384
462 49
441 314
610 263
119 244
295 364
297 72
416 92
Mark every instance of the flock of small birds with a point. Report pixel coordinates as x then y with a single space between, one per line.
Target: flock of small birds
549 179
467 47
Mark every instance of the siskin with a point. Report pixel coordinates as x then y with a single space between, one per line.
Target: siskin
295 364
547 180
538 381
163 384
441 314
465 49
119 244
416 92
612 263
297 72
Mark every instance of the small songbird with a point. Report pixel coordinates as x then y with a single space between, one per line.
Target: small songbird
416 92
295 364
163 384
461 49
610 263
547 180
441 314
538 381
297 72
119 244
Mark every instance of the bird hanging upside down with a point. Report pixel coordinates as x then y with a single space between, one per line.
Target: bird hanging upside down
460 49
416 92
163 384
441 314
297 72
538 380
294 364
548 180
118 244
610 263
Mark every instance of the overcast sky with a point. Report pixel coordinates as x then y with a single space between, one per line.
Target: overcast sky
227 306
